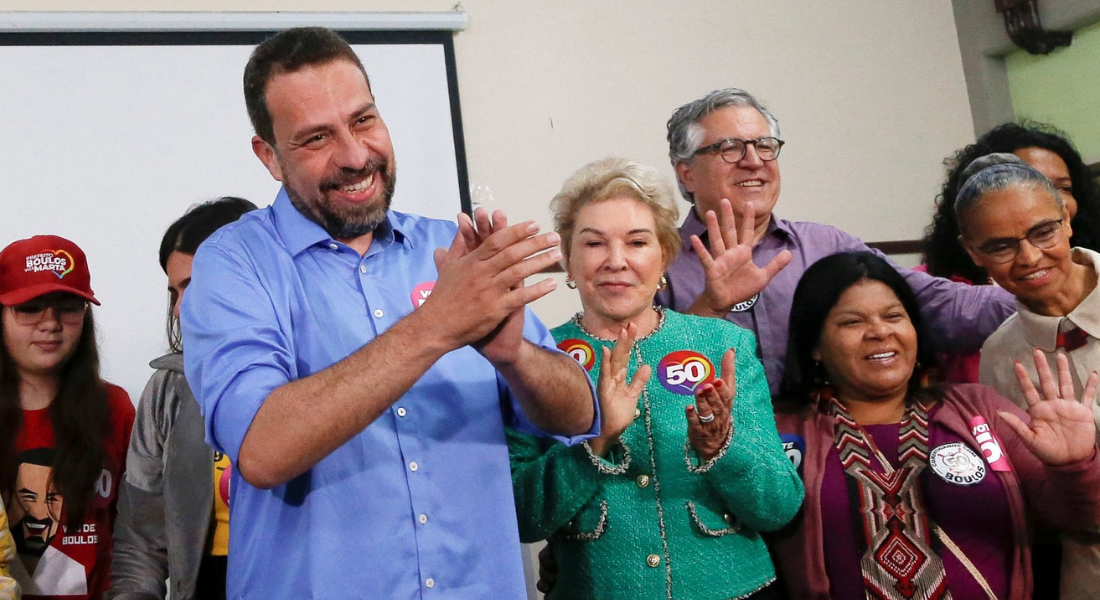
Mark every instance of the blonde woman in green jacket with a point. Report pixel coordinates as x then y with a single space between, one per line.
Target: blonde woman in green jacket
669 501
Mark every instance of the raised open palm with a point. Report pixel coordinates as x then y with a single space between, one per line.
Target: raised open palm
731 275
1062 429
618 397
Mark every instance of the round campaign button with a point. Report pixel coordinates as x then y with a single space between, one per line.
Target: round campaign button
421 292
747 304
683 371
580 350
957 463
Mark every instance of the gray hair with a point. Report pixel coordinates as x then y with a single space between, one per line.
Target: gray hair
994 172
685 135
611 178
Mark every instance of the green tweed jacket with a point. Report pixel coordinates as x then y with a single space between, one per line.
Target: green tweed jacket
650 521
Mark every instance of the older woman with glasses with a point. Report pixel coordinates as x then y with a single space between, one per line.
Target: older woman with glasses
669 501
1014 224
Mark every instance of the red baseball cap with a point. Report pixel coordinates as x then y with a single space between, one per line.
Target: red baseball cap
42 265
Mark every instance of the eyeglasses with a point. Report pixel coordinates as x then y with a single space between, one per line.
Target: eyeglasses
733 150
1042 236
69 311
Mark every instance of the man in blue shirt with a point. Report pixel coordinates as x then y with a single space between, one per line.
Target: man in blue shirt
359 364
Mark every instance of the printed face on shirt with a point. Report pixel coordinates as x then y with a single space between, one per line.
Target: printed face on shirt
1053 168
332 151
44 347
868 345
35 509
1035 276
616 260
750 180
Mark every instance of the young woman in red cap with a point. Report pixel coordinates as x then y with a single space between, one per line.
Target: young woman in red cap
63 430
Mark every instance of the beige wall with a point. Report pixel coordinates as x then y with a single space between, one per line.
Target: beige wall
870 95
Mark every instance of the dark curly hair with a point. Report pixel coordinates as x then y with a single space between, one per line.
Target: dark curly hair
943 253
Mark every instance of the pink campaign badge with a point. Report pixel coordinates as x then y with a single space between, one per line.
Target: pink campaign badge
421 292
990 445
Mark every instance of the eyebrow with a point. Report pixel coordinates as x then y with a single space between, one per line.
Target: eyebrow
631 232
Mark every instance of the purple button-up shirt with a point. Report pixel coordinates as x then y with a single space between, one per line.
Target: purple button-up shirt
958 316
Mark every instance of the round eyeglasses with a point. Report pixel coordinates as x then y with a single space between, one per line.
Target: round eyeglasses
1042 236
732 150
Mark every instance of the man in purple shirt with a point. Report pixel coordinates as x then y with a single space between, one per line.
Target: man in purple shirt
724 147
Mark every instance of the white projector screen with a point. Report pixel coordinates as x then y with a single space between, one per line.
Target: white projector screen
112 136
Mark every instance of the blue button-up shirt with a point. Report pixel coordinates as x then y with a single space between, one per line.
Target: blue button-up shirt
419 504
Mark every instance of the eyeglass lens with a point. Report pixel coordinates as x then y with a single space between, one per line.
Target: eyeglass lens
733 150
69 311
1042 236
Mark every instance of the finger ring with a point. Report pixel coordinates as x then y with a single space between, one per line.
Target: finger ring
706 419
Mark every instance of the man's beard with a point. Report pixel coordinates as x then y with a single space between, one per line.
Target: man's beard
33 545
353 222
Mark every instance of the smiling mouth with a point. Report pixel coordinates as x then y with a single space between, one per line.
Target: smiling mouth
881 356
1035 275
750 183
362 186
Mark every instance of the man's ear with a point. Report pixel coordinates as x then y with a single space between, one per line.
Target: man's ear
266 153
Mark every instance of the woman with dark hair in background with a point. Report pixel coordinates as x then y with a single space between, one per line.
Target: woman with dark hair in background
173 517
63 430
1049 151
916 490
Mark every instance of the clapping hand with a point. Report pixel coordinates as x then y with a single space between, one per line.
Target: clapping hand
709 420
618 399
483 272
731 276
1062 429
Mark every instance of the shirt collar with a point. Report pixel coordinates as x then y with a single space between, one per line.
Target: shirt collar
1042 331
298 232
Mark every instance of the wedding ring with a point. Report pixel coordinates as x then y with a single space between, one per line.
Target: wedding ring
706 419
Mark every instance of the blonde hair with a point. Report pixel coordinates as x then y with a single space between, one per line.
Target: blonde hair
615 178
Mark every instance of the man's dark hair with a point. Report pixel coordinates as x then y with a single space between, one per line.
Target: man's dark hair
288 52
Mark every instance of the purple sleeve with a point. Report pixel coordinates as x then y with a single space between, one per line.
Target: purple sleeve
957 316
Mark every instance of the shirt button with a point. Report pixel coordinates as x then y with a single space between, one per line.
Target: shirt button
362 268
637 412
429 583
401 411
643 481
653 560
378 313
333 246
413 466
423 519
